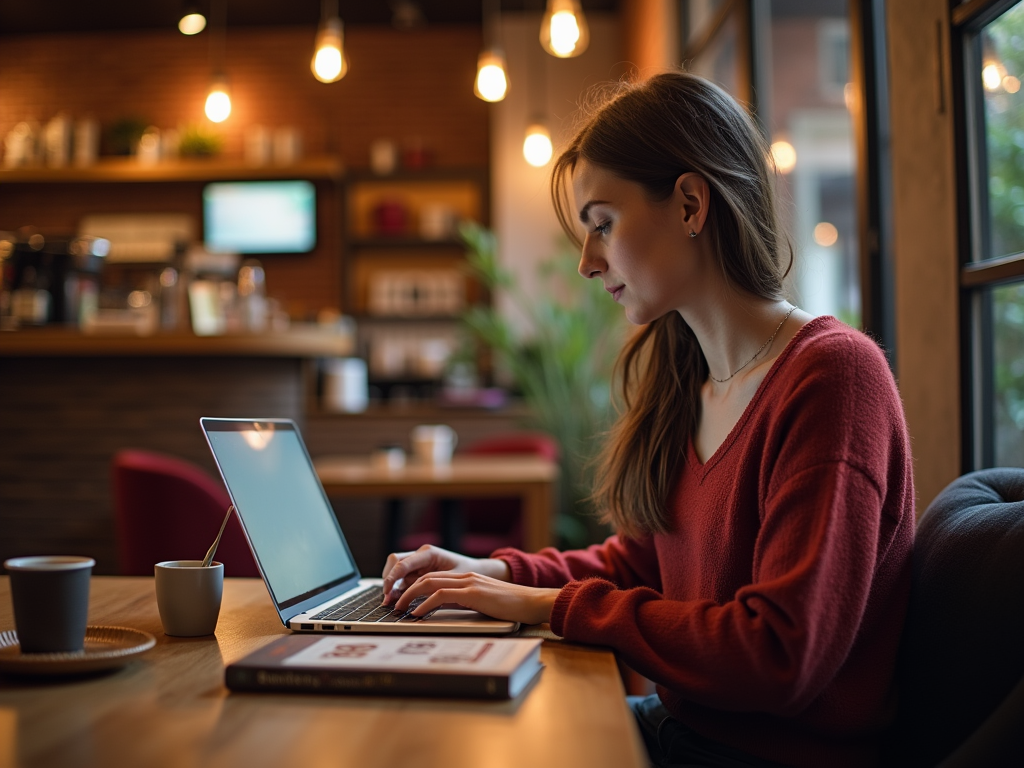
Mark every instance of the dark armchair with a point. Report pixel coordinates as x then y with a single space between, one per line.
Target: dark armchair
961 667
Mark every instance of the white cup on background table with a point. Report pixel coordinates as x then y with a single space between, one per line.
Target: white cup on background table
433 443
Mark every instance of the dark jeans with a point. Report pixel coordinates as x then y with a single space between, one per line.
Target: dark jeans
670 744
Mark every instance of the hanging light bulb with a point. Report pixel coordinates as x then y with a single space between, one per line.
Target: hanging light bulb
218 102
537 147
563 30
192 21
329 62
491 80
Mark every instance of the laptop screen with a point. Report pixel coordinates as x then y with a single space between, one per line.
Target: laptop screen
278 497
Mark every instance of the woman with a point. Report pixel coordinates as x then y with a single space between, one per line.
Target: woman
759 478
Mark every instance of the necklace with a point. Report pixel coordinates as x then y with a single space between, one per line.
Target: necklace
759 351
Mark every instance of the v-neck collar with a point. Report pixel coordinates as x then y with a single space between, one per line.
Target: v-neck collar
703 468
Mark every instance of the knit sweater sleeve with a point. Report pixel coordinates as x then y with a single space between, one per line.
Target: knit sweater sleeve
623 563
834 483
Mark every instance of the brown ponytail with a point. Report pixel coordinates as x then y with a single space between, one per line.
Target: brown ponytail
651 133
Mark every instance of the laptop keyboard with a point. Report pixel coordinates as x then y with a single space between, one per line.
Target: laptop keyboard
366 606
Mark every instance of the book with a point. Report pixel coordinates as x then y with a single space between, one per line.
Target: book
486 668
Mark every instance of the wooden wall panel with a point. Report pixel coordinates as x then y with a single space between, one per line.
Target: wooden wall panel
925 239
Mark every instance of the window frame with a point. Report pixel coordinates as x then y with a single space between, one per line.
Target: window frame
977 274
870 119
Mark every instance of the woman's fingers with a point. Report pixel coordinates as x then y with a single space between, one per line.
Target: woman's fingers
403 568
429 583
479 593
463 594
392 576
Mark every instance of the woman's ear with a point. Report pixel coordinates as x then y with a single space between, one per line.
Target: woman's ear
694 197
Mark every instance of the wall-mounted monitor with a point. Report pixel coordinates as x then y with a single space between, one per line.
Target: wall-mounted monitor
250 217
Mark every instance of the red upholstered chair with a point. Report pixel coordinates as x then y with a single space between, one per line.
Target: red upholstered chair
485 524
166 508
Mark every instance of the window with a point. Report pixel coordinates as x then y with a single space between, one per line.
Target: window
811 131
1001 45
991 140
791 62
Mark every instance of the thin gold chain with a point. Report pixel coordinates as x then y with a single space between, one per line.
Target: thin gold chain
759 351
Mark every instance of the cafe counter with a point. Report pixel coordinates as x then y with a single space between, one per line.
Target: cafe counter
304 341
70 401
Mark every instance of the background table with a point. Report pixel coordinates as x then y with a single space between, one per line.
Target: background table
169 708
530 478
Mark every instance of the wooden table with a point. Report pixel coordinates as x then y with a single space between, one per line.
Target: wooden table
531 478
169 708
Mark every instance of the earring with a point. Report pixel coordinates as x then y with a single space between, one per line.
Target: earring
692 233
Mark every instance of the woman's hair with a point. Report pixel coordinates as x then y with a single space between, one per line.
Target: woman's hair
651 133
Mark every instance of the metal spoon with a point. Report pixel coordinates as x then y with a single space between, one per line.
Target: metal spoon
213 547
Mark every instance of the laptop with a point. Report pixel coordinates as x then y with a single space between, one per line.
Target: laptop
298 543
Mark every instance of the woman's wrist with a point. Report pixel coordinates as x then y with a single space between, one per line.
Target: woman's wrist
544 603
496 569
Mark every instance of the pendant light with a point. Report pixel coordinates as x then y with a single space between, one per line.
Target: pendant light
329 62
491 70
218 101
563 30
537 149
491 80
192 22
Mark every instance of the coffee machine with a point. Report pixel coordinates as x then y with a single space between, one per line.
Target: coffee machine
50 280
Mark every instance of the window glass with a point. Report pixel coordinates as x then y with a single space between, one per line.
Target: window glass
811 131
718 61
1008 374
1001 71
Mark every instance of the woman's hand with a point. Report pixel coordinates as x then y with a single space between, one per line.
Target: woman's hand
478 592
404 568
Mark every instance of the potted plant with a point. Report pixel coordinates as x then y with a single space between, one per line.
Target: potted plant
562 363
198 141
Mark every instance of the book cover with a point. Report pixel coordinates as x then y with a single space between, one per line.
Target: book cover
490 668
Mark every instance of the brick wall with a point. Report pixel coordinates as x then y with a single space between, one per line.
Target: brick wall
404 86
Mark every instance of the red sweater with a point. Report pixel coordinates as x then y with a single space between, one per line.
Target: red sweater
771 612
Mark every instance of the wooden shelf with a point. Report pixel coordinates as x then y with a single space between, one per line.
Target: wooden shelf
210 169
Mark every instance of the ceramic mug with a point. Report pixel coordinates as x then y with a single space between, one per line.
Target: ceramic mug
434 443
51 601
188 596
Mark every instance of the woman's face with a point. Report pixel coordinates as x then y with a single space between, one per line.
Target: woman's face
641 250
